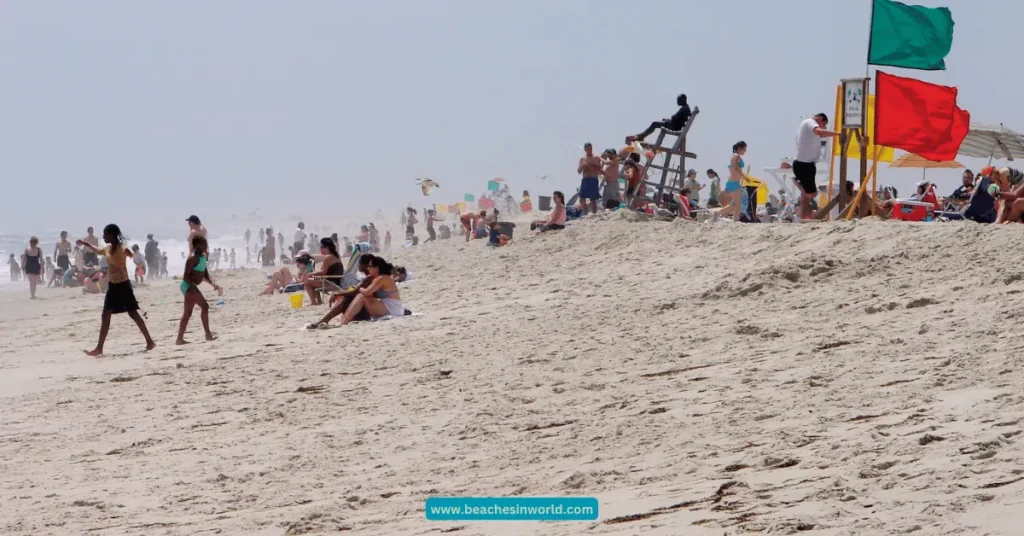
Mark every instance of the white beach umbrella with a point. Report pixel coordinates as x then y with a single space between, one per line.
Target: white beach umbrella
992 141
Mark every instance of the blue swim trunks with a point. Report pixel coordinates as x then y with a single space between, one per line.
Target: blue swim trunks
732 186
590 188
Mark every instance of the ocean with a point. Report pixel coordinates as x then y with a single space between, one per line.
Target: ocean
225 234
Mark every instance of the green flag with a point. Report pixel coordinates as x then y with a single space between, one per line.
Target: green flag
911 37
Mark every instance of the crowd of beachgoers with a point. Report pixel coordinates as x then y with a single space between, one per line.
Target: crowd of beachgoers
352 277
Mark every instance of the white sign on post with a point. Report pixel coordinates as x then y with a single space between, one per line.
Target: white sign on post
854 103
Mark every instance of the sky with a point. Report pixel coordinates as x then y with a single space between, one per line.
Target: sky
134 111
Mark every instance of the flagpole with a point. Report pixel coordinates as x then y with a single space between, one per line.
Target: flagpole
871 24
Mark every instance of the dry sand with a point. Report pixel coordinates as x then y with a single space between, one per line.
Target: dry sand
697 379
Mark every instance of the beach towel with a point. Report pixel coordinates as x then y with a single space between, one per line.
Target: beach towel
380 319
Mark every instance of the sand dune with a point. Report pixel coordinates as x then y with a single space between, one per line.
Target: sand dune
698 379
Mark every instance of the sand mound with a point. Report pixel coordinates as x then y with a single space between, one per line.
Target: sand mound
852 378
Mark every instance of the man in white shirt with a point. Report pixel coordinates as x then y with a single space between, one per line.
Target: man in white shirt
808 147
300 238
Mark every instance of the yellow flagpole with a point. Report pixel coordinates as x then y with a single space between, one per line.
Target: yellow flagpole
863 187
874 181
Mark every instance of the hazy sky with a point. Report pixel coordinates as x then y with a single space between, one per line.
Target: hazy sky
169 108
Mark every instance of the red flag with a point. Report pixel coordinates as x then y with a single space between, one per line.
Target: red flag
919 117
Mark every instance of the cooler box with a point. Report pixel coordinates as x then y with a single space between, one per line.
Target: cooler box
506 228
912 211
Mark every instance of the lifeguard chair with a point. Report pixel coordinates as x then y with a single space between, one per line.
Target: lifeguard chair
677 149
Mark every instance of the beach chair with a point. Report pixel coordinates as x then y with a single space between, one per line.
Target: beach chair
349 279
981 207
678 149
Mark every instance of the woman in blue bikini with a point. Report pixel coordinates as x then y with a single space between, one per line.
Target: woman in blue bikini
196 273
733 185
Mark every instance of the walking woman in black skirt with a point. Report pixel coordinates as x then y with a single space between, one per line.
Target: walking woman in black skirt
119 298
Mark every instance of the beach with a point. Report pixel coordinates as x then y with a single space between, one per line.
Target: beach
839 378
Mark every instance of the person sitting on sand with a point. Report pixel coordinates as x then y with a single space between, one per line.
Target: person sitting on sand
1011 186
330 273
496 239
283 276
381 298
685 209
402 274
344 299
195 273
962 194
556 220
94 283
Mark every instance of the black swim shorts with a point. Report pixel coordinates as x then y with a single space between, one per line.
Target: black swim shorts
805 173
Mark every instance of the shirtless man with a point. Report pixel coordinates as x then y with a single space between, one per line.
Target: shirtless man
610 194
590 168
269 251
90 256
469 220
195 228
62 252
